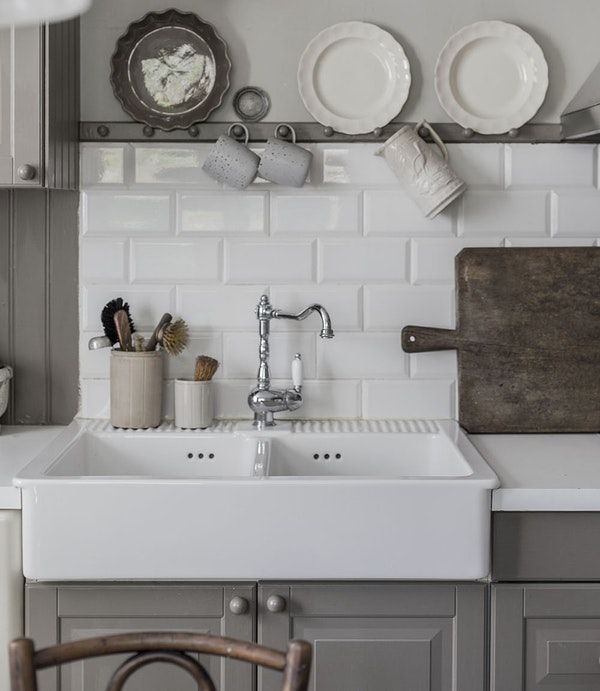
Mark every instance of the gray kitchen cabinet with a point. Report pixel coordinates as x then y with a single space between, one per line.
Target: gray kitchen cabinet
379 636
545 636
61 613
39 105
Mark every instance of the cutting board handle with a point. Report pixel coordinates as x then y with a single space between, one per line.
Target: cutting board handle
422 339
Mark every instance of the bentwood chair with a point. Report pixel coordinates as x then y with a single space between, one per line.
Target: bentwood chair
166 647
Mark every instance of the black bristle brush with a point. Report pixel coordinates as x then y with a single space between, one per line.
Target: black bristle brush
108 318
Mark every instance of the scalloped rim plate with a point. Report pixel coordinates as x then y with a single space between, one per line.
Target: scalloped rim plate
472 50
373 54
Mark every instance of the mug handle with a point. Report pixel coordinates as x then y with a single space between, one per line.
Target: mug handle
246 131
290 128
434 135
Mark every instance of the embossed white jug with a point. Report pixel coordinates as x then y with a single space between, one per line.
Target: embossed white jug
424 173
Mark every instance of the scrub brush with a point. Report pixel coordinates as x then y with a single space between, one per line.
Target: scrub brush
174 337
108 318
205 368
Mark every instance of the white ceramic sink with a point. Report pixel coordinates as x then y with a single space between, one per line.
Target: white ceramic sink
315 500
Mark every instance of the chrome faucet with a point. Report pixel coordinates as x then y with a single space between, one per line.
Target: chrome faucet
263 400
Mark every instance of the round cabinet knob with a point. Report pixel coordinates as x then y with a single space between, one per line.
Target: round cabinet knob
276 603
26 171
238 605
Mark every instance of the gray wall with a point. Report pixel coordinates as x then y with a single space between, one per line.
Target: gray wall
266 38
38 303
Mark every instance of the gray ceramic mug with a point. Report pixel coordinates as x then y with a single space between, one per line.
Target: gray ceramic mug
231 162
284 162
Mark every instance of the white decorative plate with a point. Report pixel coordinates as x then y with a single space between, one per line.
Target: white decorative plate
354 77
491 77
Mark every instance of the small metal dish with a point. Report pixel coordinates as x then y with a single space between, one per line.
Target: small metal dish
251 103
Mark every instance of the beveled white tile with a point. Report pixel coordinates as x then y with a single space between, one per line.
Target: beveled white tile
219 307
102 260
577 214
353 164
180 261
432 259
438 365
93 364
363 260
231 398
222 212
240 353
94 398
479 165
343 302
327 399
315 213
277 262
102 164
391 308
504 213
392 212
147 304
549 242
104 212
361 355
409 399
182 366
551 165
172 164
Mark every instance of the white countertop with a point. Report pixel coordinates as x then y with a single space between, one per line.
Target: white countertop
543 472
19 444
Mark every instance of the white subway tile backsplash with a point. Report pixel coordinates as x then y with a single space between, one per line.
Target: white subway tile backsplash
173 164
147 303
361 355
390 308
363 260
218 308
102 165
413 398
504 213
550 165
221 212
156 231
314 213
578 214
343 302
392 212
240 353
103 260
432 259
125 212
278 262
170 261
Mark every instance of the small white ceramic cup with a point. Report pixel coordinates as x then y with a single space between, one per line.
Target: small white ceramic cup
194 407
423 171
230 161
284 162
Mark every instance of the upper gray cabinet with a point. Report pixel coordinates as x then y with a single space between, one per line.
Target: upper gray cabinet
39 106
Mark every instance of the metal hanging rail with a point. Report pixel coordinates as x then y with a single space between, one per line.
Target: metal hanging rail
311 132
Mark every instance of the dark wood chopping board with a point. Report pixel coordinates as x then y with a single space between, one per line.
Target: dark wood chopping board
528 339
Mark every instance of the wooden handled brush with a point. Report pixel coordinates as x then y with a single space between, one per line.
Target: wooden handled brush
121 320
205 368
153 340
174 337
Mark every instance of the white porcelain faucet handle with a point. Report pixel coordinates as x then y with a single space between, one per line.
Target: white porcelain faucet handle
297 374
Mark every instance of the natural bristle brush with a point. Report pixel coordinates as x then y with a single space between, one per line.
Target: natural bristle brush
205 368
174 337
108 318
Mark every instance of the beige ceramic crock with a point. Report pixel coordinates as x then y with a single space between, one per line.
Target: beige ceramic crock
136 389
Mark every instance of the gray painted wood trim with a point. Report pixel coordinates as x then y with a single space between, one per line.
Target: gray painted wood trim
38 303
545 546
41 624
507 664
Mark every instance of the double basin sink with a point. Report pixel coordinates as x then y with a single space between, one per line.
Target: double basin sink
307 500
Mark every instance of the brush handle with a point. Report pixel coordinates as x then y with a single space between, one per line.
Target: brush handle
123 331
153 340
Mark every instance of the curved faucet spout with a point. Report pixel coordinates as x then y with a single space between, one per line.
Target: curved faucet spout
326 328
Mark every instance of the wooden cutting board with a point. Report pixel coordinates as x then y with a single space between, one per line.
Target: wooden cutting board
528 339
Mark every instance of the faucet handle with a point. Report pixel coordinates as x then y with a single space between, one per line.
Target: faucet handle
297 374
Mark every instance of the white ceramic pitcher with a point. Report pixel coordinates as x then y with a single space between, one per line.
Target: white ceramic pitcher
424 173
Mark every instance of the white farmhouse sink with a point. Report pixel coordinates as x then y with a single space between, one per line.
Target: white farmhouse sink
315 500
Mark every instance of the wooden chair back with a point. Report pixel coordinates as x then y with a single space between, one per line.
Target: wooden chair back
170 647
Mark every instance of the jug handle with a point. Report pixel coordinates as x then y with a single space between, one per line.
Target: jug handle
434 135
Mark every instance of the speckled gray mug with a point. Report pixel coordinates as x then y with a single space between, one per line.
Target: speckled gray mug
284 162
231 162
